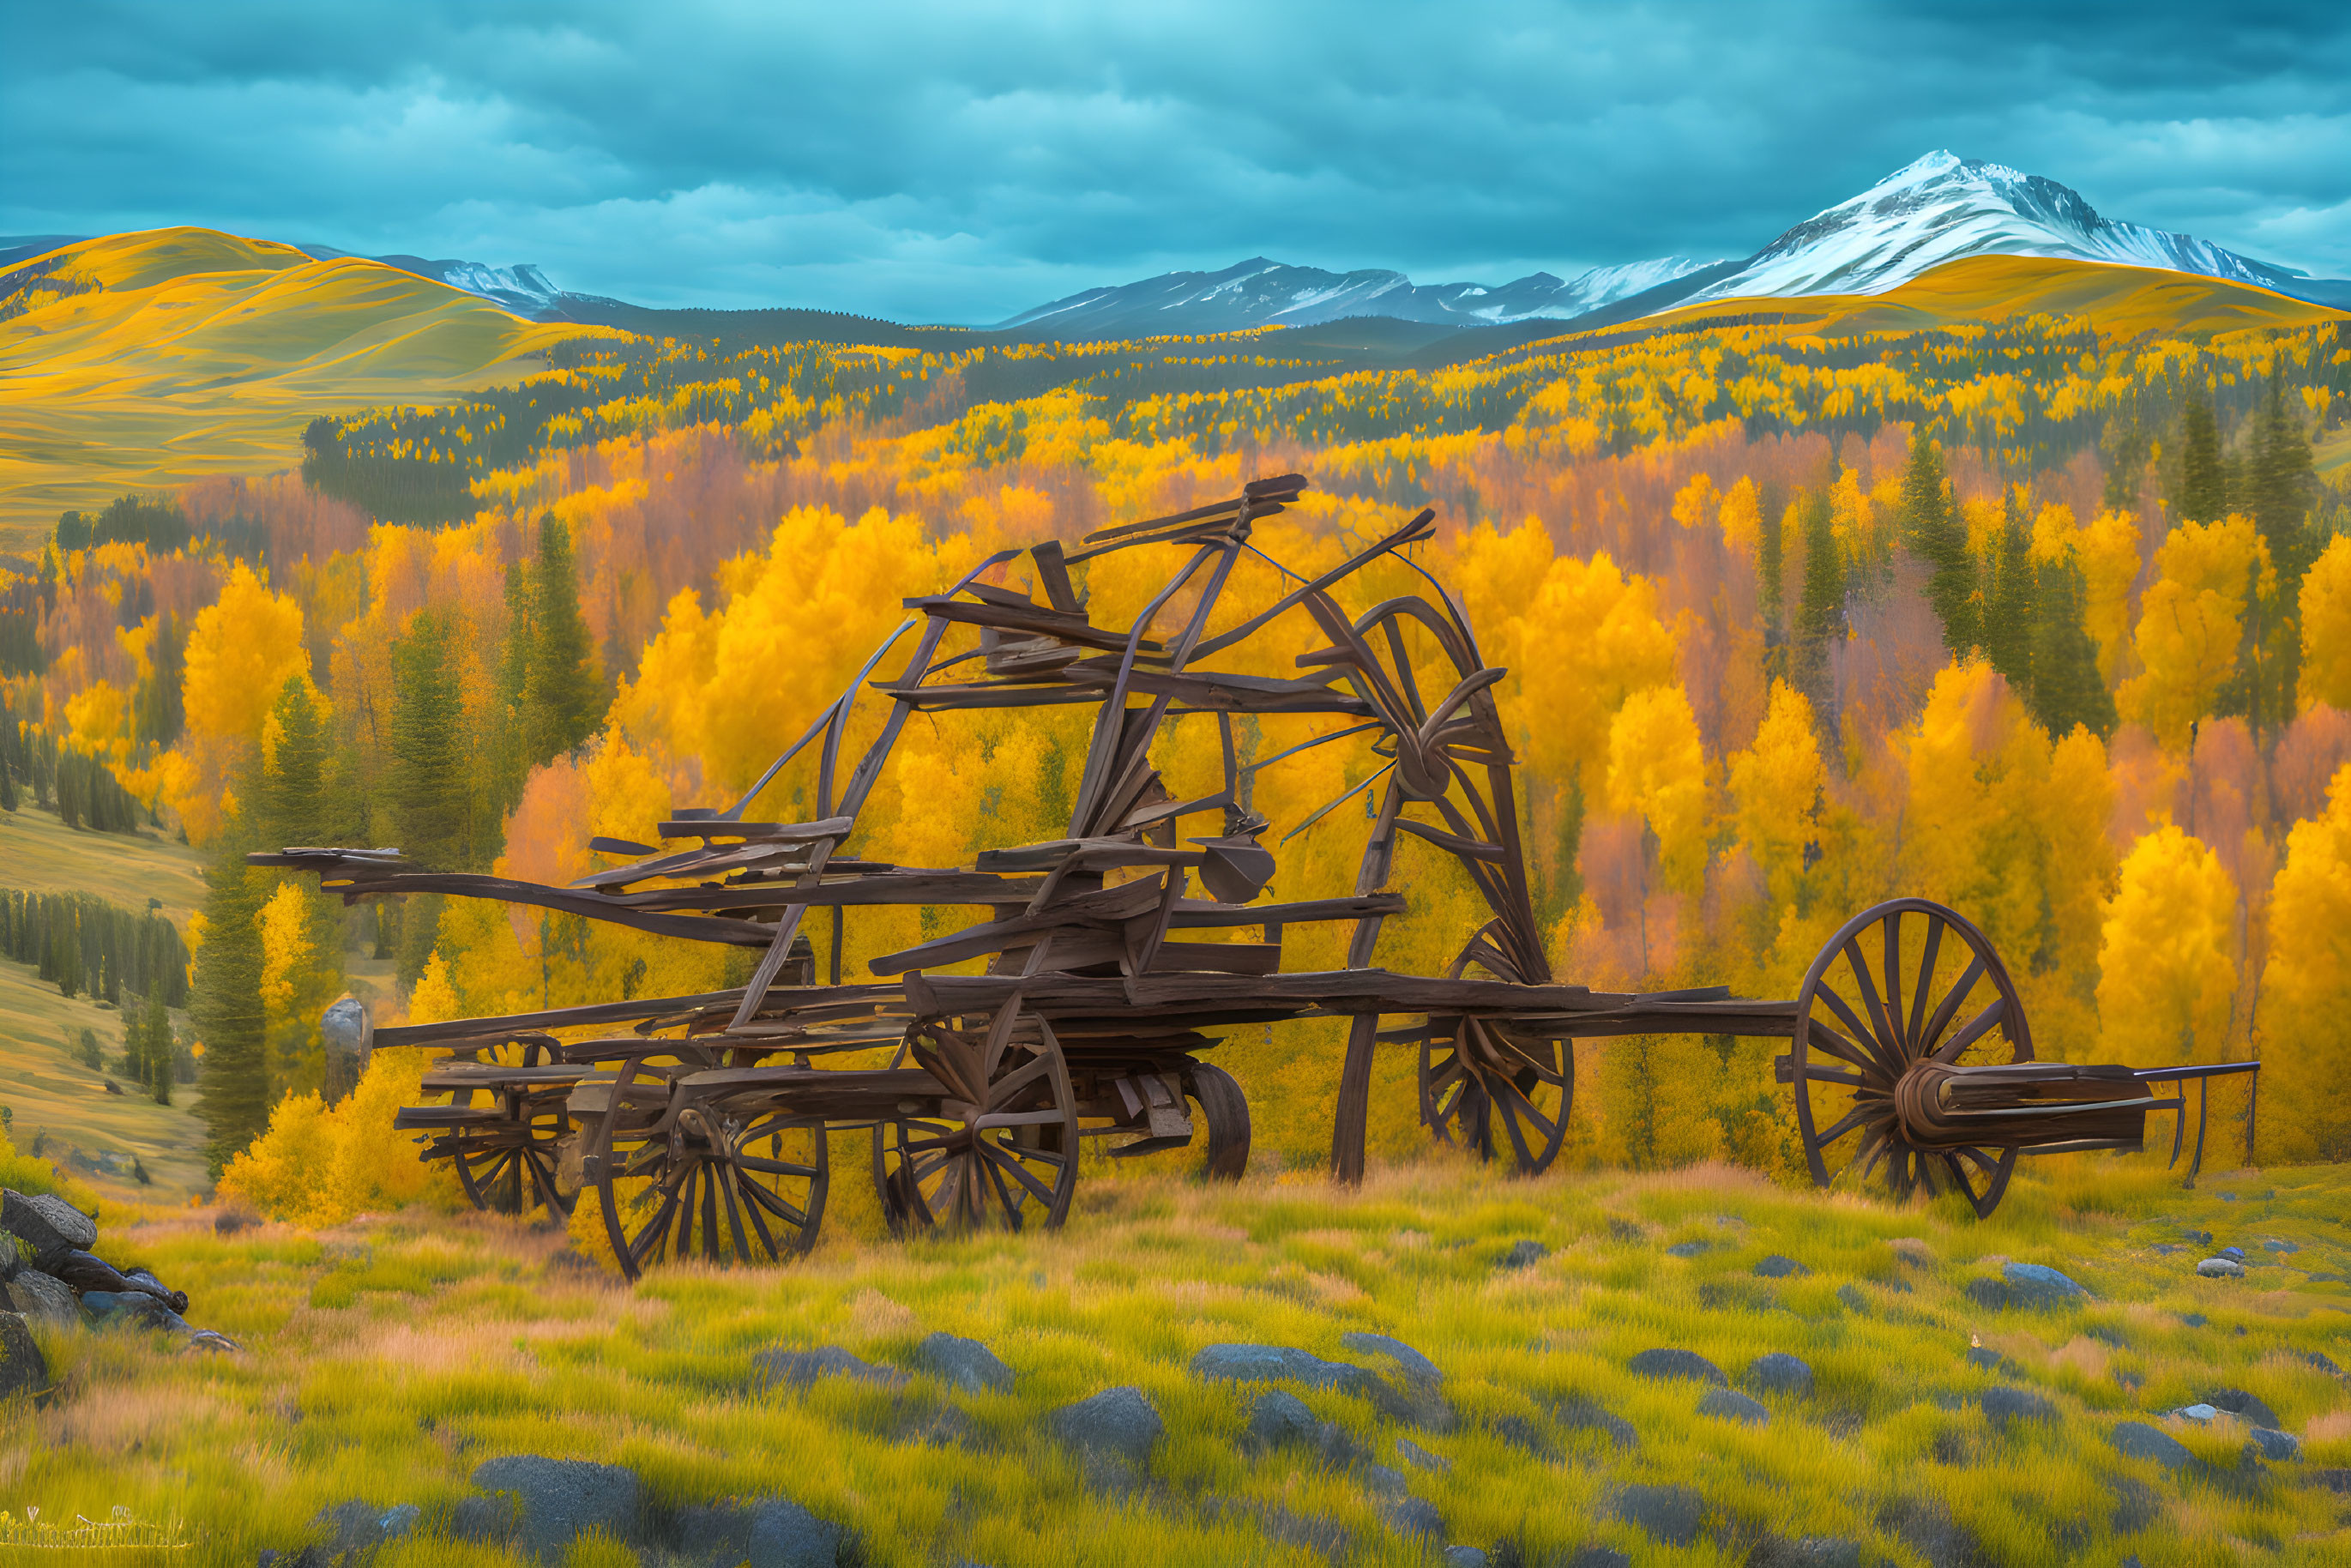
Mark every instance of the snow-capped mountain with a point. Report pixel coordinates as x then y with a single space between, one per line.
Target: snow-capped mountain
521 289
1943 207
1262 293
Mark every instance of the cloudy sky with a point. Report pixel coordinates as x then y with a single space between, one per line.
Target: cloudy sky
963 161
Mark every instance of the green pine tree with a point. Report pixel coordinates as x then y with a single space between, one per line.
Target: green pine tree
2068 689
509 746
2010 618
1931 525
1770 588
293 805
2124 446
2278 489
1820 614
2202 489
560 684
226 1005
430 799
155 1028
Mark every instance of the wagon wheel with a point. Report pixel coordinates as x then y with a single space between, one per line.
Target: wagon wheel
732 1183
1491 1086
1226 1111
1868 1009
999 1148
508 1166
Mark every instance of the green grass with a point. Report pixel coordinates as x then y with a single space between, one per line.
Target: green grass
388 1358
38 854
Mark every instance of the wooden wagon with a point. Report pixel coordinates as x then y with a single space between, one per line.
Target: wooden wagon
702 1123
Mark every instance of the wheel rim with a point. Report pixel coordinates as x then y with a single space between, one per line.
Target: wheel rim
1000 1148
1492 1090
509 1168
1905 982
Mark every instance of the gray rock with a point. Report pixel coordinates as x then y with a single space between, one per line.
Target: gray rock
2201 1237
2005 1407
1415 1367
1279 1419
1990 1360
559 1499
1734 1406
132 1310
2106 1334
801 1367
1465 1557
485 1519
47 1224
1688 1249
23 1368
2199 1413
1854 1301
357 1528
1670 1513
1779 1372
2141 1441
2319 1359
2036 1285
2334 1479
1117 1424
1578 1413
1415 1518
2221 1269
1413 1453
2237 1402
966 1364
2277 1445
45 1298
1525 1255
1599 1557
1524 1436
1778 1266
766 1532
2275 1245
1382 1481
2194 1320
1669 1363
349 1039
1807 1552
2233 1254
2228 1197
2137 1505
1986 1292
1283 1363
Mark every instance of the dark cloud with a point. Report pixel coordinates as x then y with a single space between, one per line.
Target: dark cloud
960 161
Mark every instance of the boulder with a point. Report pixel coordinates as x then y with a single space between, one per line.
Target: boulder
1412 1453
2277 1445
1805 1552
2275 1245
23 1368
2194 1320
45 1298
801 1367
1688 1249
764 1532
555 1499
1778 1266
1524 1436
357 1528
1285 1364
966 1364
2005 1407
86 1272
1578 1413
2237 1402
1734 1406
2140 1442
1850 1295
1279 1419
1416 1368
2221 1269
1779 1372
132 1310
1669 1362
48 1225
2035 1285
1672 1514
2233 1254
1117 1423
1525 1255
1416 1518
1465 1557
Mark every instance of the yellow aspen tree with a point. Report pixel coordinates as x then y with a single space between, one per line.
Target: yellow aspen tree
2191 624
2326 628
1775 789
2167 964
1741 515
2306 1000
1697 502
1977 770
1656 768
1591 639
241 651
2056 535
2108 552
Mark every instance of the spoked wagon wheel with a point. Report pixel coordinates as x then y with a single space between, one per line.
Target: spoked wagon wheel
1907 983
508 1165
732 1183
1000 1147
1492 1087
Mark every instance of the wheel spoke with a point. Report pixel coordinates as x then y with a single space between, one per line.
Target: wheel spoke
1005 1161
1859 1032
1004 1088
1820 1036
1889 1043
1916 1040
1953 1001
1894 982
1977 1027
734 1216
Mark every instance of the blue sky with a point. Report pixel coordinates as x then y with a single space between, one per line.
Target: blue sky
962 162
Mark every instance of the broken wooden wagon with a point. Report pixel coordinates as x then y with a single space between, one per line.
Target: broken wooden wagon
703 1122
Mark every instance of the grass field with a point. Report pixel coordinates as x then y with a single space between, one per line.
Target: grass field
38 854
203 353
387 1359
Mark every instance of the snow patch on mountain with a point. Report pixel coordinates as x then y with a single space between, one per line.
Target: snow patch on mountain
521 289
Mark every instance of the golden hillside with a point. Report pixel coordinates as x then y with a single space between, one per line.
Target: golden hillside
142 361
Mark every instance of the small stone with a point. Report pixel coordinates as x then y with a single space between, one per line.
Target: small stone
1119 1423
1781 1266
2277 1445
1415 1518
2233 1254
1990 1360
46 1224
1624 1230
2108 1334
1670 1513
2319 1359
2275 1245
1464 1557
2201 1237
2228 1197
2199 1413
359 1527
801 1367
1688 1249
1734 1406
2140 1442
2037 1285
1914 1251
23 1368
43 1299
1671 1363
561 1498
2004 1406
1524 1436
964 1364
2194 1320
1854 1301
1779 1372
1525 1255
1415 1367
2237 1402
2221 1269
1413 1453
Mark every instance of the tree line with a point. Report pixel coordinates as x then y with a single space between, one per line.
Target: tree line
80 942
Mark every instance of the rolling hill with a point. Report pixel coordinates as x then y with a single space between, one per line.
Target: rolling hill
142 361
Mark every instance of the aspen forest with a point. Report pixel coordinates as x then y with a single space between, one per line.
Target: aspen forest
2046 621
